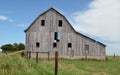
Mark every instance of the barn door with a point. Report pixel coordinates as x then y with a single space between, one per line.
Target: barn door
86 51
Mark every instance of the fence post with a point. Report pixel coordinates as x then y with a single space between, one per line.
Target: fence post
48 55
36 57
29 55
114 55
56 62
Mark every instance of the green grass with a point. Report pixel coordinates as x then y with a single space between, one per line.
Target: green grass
14 64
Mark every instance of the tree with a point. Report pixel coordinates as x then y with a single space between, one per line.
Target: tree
7 47
14 47
21 46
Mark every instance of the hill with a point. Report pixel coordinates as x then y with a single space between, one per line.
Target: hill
14 64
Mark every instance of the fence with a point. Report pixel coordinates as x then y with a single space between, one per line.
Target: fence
56 59
37 55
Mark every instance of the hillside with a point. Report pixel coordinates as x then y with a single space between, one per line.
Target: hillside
14 64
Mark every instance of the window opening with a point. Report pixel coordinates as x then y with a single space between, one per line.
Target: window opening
86 47
69 45
42 22
57 36
37 44
60 23
54 45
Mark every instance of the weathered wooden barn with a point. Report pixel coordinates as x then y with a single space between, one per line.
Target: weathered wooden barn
51 27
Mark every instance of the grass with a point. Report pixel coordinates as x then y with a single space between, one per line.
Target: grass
14 64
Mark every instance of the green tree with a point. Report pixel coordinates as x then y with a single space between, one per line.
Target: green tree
21 46
7 47
16 46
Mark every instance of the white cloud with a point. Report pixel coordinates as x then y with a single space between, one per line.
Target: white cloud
11 20
102 19
21 25
5 18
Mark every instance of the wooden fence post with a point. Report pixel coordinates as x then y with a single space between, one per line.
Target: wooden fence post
29 55
36 57
56 62
114 55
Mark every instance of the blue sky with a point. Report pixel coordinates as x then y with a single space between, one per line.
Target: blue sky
89 17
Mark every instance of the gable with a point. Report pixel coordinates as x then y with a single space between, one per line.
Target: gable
50 14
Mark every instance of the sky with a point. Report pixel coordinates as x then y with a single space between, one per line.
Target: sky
98 19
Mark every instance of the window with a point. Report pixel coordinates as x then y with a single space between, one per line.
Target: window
42 22
54 45
86 47
37 44
60 23
69 45
57 36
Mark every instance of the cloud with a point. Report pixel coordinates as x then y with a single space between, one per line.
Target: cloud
102 19
11 20
5 18
113 48
21 25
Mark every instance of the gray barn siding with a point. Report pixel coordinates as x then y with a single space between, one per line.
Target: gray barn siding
45 35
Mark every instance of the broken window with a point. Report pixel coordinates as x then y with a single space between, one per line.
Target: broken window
37 44
69 45
57 36
60 23
42 22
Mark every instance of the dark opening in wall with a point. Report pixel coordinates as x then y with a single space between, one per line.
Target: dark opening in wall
54 45
57 36
37 44
86 47
60 23
69 45
42 22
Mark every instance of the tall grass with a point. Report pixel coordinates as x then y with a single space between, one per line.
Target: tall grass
14 64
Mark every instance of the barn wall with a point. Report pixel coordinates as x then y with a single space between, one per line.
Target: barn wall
45 35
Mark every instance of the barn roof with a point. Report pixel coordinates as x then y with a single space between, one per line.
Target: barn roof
66 20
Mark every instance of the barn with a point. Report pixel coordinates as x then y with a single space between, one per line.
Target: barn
51 31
